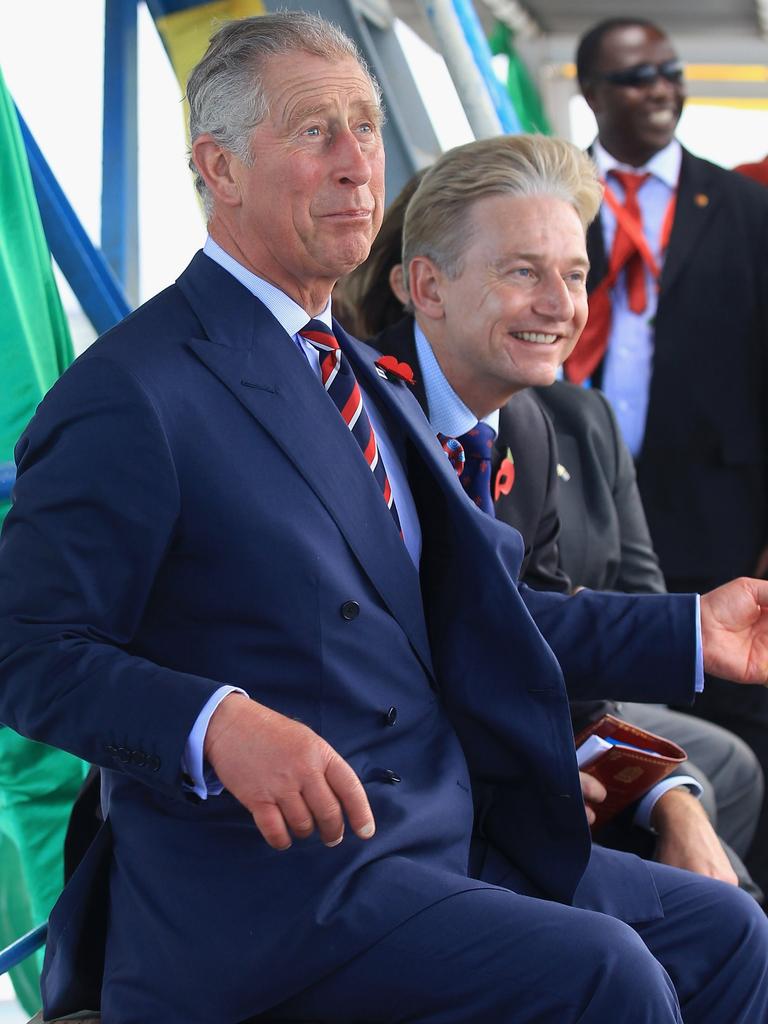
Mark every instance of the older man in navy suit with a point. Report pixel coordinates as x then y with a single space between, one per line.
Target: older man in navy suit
242 577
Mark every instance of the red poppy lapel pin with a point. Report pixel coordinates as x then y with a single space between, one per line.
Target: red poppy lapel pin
389 368
505 476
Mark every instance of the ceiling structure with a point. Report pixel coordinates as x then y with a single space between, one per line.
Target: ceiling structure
717 22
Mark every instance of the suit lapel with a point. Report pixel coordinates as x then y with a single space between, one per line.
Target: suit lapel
697 198
598 260
250 353
398 341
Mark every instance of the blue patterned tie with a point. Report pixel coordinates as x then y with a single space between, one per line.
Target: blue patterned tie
476 475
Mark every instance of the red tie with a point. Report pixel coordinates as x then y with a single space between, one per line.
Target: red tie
625 255
340 383
625 252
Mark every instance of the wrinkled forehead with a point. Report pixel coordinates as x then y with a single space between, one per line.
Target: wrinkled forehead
301 84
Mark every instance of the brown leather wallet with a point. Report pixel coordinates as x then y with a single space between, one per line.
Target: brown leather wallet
628 773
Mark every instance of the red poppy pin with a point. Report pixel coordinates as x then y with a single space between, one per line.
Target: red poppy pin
505 476
391 369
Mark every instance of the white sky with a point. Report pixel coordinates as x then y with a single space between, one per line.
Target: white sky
51 54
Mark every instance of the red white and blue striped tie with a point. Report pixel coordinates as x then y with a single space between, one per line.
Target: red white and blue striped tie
340 383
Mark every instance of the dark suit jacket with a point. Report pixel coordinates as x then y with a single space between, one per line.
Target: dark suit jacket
703 470
604 541
191 510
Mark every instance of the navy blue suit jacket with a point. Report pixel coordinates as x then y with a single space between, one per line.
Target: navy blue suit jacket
191 511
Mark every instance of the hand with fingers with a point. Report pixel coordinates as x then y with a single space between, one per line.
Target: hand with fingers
593 791
734 631
286 775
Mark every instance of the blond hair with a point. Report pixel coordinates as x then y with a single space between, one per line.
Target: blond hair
437 221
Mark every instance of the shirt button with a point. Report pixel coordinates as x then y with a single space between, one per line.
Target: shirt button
392 777
350 610
391 716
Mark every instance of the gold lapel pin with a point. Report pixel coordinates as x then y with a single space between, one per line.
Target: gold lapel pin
562 472
701 199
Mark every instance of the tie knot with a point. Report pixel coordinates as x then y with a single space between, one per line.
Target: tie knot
317 334
478 442
629 181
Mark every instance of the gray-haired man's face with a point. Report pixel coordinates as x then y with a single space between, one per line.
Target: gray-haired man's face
313 200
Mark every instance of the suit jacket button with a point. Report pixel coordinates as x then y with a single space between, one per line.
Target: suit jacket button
124 754
111 750
350 610
391 777
139 758
153 762
391 716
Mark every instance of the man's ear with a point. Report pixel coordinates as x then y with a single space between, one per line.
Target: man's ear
426 285
397 284
215 165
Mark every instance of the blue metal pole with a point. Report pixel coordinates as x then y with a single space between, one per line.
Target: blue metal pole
120 165
18 951
7 479
82 264
481 51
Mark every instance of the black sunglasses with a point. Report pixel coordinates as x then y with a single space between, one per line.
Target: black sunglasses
644 74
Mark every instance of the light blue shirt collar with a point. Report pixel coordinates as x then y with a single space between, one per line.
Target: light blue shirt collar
447 412
288 313
664 165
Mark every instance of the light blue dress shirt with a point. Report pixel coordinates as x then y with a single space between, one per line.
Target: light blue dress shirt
292 318
629 356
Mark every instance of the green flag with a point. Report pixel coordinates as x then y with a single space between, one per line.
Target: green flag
35 345
522 92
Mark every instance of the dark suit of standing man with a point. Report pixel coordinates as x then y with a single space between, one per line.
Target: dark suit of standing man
701 361
194 513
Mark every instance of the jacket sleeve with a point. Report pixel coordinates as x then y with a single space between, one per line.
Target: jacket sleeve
96 507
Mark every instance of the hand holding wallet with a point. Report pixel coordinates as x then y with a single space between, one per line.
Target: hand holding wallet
627 760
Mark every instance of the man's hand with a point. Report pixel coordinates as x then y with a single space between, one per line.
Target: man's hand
287 776
594 792
686 837
734 631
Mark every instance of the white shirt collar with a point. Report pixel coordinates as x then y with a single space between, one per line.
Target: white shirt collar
447 412
664 165
289 314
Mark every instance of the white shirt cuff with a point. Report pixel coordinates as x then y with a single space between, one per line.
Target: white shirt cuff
642 816
199 780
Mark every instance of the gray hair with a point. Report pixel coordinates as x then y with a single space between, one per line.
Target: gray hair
225 89
437 219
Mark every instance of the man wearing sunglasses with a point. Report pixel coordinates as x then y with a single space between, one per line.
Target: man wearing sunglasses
678 335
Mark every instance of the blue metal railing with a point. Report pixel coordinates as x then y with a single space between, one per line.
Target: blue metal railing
19 950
